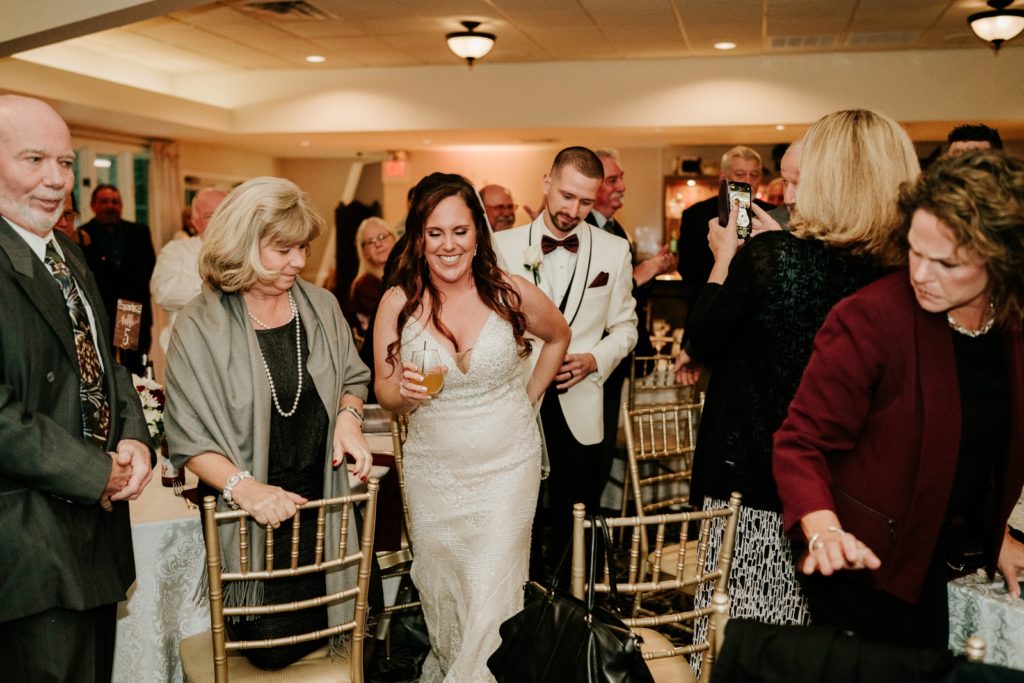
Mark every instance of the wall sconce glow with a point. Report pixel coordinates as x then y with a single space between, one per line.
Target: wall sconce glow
102 163
470 44
316 59
725 45
780 127
691 183
999 24
304 143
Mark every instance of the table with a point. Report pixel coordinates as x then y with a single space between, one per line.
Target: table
162 607
983 607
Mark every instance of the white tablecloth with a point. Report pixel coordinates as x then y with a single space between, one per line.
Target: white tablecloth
161 608
982 607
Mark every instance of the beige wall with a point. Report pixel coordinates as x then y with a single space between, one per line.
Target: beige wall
521 170
324 181
217 160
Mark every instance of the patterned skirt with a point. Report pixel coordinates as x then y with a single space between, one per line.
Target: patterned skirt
762 583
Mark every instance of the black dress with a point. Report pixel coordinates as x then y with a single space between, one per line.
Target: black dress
296 463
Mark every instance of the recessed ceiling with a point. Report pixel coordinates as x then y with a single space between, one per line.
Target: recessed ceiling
236 41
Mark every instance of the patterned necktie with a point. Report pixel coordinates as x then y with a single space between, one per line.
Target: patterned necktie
549 244
95 408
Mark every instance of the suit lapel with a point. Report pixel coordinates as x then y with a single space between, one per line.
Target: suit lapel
581 278
39 286
533 235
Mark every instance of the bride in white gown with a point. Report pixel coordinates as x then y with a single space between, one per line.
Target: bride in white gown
473 454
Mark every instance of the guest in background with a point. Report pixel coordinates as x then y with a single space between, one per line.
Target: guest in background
908 425
374 241
120 255
499 207
755 321
473 454
176 279
75 446
789 173
774 192
739 164
972 136
265 394
67 222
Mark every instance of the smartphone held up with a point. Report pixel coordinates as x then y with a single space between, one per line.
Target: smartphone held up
729 192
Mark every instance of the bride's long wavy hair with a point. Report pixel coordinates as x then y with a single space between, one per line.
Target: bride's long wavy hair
412 275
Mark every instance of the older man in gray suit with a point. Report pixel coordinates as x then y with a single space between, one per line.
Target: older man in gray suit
74 446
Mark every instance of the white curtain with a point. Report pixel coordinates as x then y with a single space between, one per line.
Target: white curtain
165 192
166 195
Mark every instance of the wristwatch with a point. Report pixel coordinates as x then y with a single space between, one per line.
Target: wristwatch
231 484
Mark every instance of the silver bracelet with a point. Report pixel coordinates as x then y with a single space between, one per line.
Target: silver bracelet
229 487
352 411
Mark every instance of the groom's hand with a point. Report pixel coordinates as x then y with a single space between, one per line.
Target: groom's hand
574 369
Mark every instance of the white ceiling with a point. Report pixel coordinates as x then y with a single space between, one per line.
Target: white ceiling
238 34
232 56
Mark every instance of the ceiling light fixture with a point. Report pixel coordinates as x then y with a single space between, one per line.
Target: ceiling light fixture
470 44
316 59
725 45
998 24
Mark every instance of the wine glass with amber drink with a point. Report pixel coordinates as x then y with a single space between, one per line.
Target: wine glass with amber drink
428 362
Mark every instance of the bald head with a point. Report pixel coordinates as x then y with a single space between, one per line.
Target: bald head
36 162
203 206
498 204
789 170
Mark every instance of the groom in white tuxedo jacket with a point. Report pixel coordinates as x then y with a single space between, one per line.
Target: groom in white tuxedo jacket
588 274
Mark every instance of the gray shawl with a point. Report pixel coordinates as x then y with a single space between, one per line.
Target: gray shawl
218 400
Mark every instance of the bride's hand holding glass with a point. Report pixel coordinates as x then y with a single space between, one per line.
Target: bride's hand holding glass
423 377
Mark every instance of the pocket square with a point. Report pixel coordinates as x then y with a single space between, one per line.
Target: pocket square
600 281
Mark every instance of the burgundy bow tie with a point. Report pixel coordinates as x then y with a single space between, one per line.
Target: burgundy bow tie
549 244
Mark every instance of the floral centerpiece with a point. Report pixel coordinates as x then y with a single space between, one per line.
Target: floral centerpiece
151 395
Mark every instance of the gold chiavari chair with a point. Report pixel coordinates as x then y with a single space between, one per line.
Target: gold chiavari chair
659 454
212 657
397 564
668 662
651 381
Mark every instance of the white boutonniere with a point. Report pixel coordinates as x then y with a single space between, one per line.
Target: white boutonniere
533 260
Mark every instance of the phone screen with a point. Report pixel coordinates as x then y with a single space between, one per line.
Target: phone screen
743 193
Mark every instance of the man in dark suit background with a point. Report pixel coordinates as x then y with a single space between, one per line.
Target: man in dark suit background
74 445
120 255
739 164
606 204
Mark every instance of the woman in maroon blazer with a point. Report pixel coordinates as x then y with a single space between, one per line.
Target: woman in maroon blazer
908 427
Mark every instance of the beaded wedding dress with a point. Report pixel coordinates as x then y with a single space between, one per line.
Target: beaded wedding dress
472 474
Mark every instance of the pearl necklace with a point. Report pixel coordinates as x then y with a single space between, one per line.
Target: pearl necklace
957 327
298 358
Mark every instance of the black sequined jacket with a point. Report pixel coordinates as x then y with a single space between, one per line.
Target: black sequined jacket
755 333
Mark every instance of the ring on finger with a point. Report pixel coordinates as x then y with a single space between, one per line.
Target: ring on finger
572 375
815 542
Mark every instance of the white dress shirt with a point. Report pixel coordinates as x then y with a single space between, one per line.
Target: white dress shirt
559 266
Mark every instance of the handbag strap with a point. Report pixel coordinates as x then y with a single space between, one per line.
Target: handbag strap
606 541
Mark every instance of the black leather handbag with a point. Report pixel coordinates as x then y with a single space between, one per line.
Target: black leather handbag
561 639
